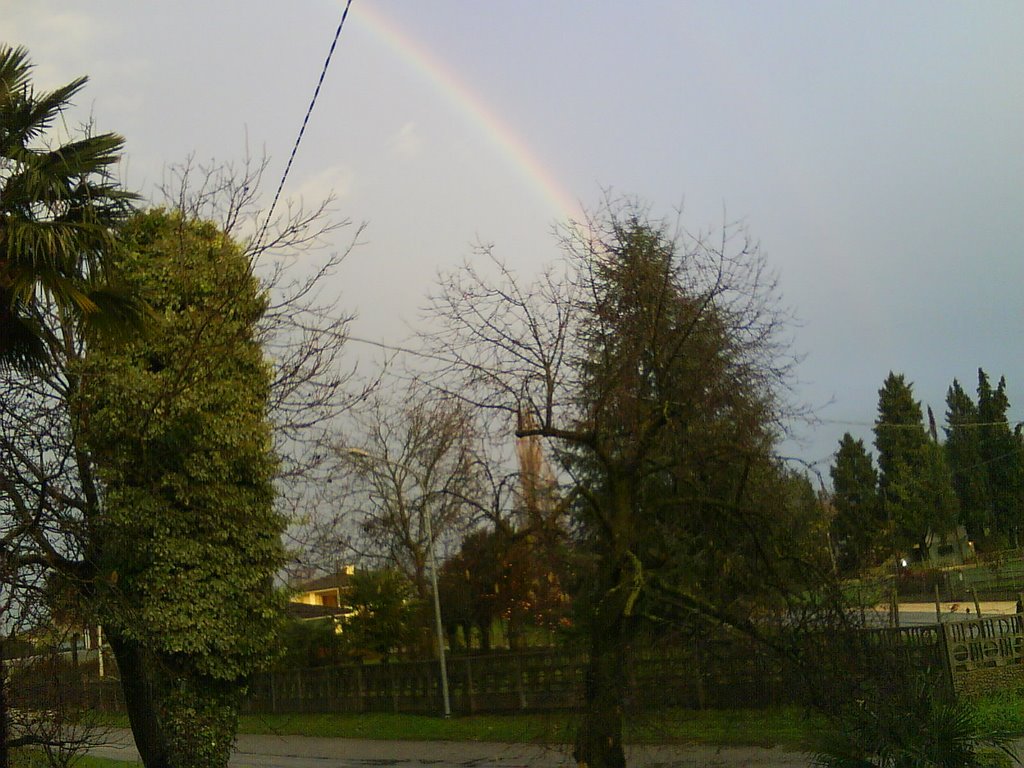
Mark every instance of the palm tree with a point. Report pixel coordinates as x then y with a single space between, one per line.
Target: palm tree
59 209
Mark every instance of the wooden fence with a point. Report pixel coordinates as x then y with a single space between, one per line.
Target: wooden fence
531 681
966 658
695 675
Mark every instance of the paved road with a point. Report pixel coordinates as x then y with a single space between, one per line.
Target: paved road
266 751
923 614
306 752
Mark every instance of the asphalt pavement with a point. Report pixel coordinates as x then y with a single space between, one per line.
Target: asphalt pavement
924 614
281 751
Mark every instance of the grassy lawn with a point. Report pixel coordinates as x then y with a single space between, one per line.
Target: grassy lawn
783 726
789 727
786 727
1003 712
26 759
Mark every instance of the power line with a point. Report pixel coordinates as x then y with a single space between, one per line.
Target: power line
873 424
959 424
404 350
305 122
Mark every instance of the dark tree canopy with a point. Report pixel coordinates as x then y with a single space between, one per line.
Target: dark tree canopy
899 429
986 459
914 479
381 613
963 452
859 524
655 367
1001 459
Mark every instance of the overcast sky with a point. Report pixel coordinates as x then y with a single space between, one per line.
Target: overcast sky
876 149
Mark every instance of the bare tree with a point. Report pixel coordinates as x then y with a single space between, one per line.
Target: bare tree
414 470
43 696
305 328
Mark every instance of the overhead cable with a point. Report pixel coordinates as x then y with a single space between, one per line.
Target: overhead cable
302 130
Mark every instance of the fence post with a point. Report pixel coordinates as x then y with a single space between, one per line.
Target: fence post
947 659
519 681
360 688
938 608
698 674
392 688
470 693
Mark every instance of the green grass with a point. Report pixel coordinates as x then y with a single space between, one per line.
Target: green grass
783 726
33 759
788 727
524 728
1002 712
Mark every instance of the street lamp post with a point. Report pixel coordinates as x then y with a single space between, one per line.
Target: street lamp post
437 618
359 453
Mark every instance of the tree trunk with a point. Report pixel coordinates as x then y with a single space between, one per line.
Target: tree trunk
5 757
180 719
599 739
140 702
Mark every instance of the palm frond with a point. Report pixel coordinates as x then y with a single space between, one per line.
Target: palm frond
59 212
21 344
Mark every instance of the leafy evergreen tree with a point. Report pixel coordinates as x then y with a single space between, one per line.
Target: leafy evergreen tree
138 469
900 439
382 613
899 429
914 481
859 524
936 494
187 539
1001 459
963 453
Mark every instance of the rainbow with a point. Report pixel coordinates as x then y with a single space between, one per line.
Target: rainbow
447 83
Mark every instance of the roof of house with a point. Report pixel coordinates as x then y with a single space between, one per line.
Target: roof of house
342 580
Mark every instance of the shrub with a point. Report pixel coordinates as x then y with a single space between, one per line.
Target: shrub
909 727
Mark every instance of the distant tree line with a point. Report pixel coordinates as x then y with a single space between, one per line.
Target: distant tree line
923 484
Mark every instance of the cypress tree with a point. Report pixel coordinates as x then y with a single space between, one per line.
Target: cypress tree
859 525
914 479
963 453
1001 458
